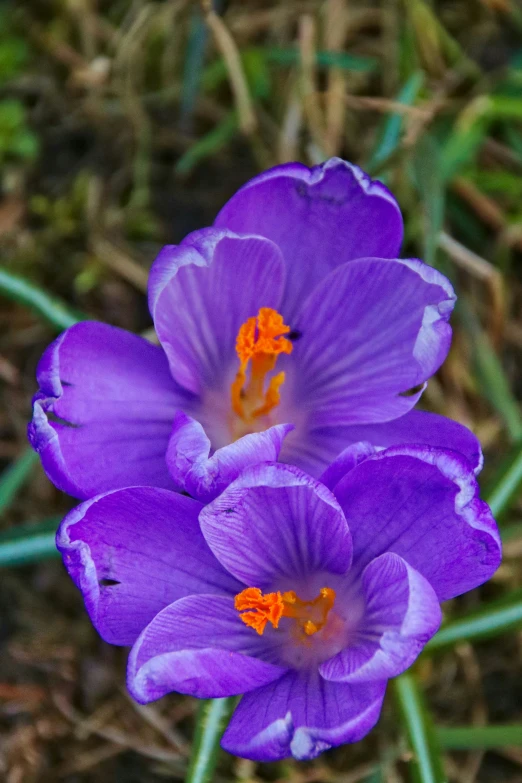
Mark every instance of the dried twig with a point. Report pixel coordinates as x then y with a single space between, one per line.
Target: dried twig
238 82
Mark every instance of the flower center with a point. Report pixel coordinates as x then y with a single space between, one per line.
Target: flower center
265 608
259 342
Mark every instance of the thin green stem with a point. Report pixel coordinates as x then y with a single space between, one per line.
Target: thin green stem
426 765
479 737
15 476
490 373
506 487
493 619
29 543
392 126
212 719
54 311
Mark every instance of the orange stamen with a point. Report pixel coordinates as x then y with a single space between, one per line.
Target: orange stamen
267 608
259 341
311 616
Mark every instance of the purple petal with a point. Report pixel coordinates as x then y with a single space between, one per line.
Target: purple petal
134 551
103 415
202 291
416 427
275 522
401 613
302 715
370 332
319 217
203 476
200 647
423 504
347 460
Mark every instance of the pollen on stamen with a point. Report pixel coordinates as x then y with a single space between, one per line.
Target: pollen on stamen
311 616
266 608
260 341
263 334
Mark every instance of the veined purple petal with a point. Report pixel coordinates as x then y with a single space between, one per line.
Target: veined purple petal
202 291
203 476
134 551
415 427
401 613
275 523
426 429
319 217
103 415
302 715
423 504
348 459
198 646
370 332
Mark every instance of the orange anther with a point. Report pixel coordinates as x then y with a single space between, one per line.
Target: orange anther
259 341
267 608
262 335
311 616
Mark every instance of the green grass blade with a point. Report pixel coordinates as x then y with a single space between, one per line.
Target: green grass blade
513 138
193 67
472 127
493 619
212 719
479 737
375 777
426 166
15 476
342 60
506 487
20 290
255 61
391 132
426 765
461 147
495 385
30 543
209 144
490 373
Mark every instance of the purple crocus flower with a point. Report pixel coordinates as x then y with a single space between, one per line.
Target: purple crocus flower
305 598
288 331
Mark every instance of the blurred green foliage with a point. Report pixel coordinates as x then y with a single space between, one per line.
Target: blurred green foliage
14 49
17 141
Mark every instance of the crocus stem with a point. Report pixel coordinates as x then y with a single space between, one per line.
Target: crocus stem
213 716
426 765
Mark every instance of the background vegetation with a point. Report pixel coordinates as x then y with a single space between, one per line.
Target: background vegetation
125 124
